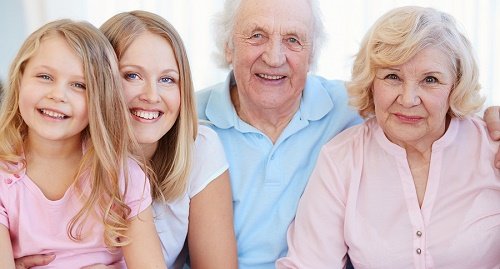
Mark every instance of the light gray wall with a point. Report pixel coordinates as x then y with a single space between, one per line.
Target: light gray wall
13 27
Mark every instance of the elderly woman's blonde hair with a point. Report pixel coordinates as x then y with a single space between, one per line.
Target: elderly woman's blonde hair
398 36
171 161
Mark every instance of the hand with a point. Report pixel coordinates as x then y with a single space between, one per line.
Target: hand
492 118
34 260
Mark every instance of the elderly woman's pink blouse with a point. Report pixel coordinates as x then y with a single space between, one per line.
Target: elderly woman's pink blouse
361 200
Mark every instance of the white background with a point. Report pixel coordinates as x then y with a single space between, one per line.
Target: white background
345 23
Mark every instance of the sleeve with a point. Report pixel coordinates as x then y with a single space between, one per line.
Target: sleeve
209 160
138 194
4 218
316 236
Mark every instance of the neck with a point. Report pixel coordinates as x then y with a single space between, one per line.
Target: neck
148 149
270 121
37 147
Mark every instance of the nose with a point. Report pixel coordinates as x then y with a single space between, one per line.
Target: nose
409 96
274 54
150 93
57 93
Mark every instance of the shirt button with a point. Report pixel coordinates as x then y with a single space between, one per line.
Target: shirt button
17 175
419 251
8 180
419 233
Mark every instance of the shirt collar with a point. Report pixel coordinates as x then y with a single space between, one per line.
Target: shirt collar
314 105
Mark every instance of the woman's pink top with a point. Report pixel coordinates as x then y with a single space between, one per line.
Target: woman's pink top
361 200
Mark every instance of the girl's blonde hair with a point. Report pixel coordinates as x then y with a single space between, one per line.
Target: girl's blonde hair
107 137
171 161
398 36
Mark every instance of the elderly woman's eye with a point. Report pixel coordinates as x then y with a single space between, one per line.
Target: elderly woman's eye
431 79
256 35
392 76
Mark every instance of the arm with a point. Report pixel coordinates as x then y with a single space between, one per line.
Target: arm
144 250
34 260
211 239
316 236
6 254
492 118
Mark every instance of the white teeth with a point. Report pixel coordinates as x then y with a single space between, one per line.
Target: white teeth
148 115
270 76
52 114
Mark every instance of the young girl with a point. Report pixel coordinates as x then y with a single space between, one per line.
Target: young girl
67 183
193 200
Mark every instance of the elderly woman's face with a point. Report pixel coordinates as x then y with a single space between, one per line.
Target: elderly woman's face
411 100
272 48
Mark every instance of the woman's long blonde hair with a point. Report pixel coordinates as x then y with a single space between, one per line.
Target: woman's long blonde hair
171 161
107 137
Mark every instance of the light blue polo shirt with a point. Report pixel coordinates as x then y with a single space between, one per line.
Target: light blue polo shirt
268 179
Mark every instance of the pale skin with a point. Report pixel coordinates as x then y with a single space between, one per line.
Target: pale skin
270 57
151 83
52 102
411 105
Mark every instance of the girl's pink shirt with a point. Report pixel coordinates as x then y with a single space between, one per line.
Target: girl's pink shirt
361 200
38 225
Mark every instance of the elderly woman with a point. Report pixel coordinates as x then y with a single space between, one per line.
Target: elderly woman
414 186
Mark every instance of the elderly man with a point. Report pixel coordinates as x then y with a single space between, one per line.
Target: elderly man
271 116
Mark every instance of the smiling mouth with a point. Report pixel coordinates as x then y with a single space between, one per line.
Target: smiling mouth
270 77
147 115
53 114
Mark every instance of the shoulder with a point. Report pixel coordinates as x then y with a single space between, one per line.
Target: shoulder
203 96
350 139
474 128
335 88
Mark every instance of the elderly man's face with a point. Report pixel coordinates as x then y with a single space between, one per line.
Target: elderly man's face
411 100
271 53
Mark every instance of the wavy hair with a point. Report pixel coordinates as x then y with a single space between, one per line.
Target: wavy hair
398 36
171 161
107 137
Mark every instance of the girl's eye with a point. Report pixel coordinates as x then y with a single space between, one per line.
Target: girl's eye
44 76
80 85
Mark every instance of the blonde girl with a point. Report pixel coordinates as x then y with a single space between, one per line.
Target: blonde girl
68 185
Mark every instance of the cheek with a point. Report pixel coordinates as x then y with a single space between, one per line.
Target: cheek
173 99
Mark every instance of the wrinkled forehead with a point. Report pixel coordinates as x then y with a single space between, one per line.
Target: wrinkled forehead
275 15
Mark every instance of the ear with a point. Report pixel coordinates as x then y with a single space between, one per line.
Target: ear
228 53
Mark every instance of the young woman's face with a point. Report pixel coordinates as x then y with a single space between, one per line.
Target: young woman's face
52 94
151 83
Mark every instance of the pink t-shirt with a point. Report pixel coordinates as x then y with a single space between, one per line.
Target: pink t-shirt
39 226
361 200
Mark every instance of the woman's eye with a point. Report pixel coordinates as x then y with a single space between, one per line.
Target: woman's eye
431 79
392 77
166 80
131 76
